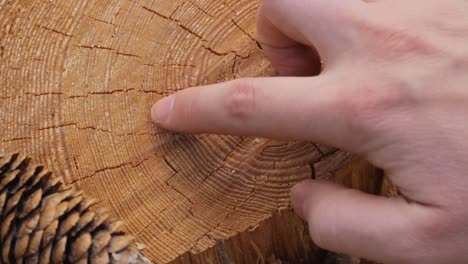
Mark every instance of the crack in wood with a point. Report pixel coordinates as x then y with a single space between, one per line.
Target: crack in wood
191 32
169 65
223 162
159 14
169 164
56 126
76 126
112 91
43 94
318 149
223 54
233 68
198 36
127 54
186 197
117 52
94 47
199 8
245 32
94 128
111 168
76 163
117 91
16 139
100 20
54 31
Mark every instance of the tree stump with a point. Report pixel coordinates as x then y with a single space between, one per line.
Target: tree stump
77 80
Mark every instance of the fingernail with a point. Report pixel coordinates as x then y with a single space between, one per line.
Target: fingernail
299 194
162 109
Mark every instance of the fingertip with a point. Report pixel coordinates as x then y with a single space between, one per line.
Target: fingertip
162 109
299 196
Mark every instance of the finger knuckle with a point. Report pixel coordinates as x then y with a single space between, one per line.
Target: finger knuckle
392 41
398 42
370 103
241 99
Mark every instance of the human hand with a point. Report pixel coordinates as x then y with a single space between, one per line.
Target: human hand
394 89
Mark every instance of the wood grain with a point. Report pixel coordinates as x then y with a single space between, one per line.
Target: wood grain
284 238
77 80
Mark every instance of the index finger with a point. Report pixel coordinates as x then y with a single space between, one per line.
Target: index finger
306 108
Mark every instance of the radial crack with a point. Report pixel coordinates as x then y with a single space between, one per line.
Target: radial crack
179 192
93 47
127 54
43 94
16 139
244 31
55 31
199 8
159 14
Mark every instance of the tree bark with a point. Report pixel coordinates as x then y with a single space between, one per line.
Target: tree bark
77 80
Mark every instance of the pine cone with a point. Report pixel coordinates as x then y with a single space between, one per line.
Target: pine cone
44 221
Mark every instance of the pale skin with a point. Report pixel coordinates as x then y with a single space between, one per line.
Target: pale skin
394 89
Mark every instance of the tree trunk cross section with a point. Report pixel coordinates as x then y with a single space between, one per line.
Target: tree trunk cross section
77 80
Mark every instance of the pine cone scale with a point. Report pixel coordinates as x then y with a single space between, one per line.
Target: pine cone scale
45 221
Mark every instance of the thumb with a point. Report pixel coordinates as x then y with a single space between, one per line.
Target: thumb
351 222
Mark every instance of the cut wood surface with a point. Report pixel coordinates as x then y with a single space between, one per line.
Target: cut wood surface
77 80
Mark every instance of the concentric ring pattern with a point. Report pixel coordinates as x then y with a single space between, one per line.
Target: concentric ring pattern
77 80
